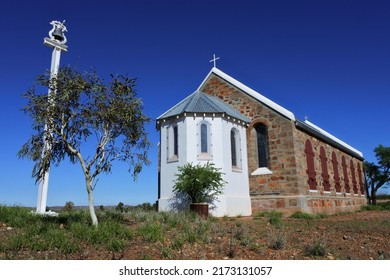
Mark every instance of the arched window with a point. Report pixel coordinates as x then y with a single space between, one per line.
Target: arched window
324 167
262 145
336 173
345 174
310 165
173 142
354 183
204 140
235 148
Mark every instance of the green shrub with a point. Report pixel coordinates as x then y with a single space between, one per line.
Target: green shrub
177 243
116 245
274 217
119 207
166 252
69 205
151 232
317 249
199 183
277 239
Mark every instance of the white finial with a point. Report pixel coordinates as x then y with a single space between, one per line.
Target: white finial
306 117
214 60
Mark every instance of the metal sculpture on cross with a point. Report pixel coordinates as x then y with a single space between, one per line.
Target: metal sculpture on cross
56 41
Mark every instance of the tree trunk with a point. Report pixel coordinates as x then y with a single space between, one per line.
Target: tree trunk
92 213
373 196
368 193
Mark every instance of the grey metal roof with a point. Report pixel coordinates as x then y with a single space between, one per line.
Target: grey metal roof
199 102
320 135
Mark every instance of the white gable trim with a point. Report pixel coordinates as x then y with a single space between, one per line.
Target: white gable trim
250 92
333 138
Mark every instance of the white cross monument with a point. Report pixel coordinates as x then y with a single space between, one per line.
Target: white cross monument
56 41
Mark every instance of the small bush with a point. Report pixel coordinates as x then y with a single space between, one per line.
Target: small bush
69 205
232 248
274 217
277 239
116 245
166 252
317 249
120 207
151 232
177 243
190 234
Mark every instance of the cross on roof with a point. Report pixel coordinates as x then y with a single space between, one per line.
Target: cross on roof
214 60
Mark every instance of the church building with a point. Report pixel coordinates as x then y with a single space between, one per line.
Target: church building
270 159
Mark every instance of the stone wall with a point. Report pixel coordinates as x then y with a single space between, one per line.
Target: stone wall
336 199
283 180
287 189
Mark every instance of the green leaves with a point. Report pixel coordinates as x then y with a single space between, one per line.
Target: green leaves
200 183
82 109
377 175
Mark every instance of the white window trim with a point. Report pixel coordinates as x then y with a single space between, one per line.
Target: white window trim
171 157
237 138
209 154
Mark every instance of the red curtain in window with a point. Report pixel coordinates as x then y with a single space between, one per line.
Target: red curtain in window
345 174
336 173
324 167
354 183
310 165
360 174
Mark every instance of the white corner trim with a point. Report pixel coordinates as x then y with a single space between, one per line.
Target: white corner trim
333 138
250 92
262 171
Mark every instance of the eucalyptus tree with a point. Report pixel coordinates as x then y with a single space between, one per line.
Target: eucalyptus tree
377 175
89 121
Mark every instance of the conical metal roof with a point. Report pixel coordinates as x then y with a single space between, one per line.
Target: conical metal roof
199 102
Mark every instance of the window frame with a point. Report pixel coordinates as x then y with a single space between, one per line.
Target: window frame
201 155
173 142
235 138
262 169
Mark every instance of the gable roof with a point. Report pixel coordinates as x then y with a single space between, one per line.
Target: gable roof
250 92
306 126
199 102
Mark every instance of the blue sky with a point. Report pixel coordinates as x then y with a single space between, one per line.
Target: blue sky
328 60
